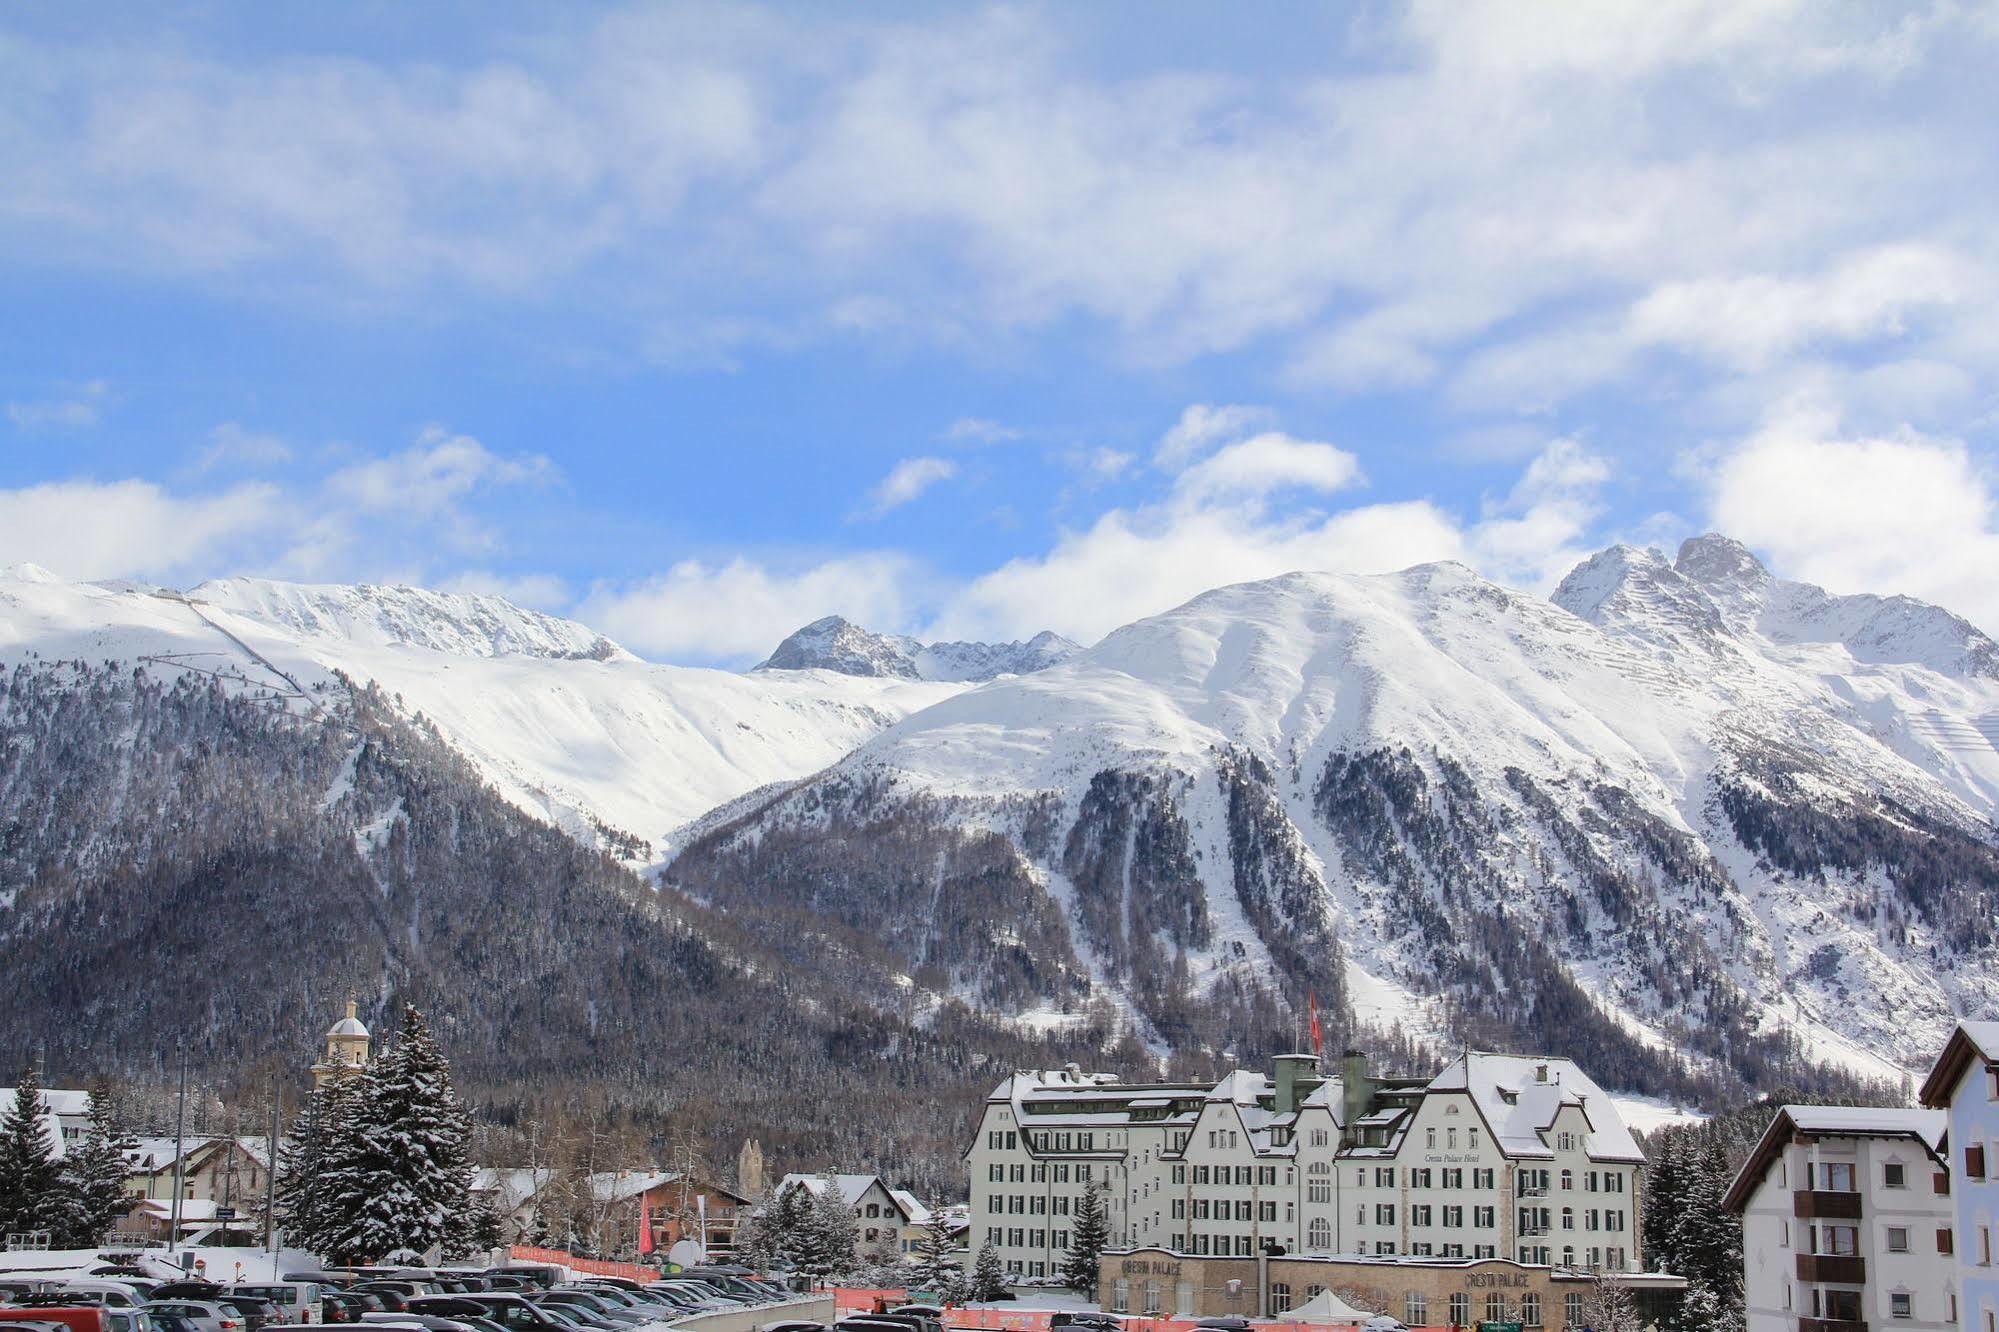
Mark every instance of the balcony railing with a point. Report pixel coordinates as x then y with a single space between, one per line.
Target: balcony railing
1839 1269
1825 1205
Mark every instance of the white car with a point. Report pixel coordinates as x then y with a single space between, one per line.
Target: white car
206 1315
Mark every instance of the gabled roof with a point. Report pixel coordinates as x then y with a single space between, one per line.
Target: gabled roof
1520 1097
1925 1127
1971 1041
69 1103
913 1211
851 1187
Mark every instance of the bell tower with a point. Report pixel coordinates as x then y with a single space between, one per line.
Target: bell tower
346 1050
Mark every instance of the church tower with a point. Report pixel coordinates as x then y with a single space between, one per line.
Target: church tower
346 1050
750 1168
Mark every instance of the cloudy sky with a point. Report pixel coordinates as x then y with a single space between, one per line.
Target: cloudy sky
700 322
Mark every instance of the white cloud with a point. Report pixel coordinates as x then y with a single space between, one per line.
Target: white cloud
231 445
1262 464
1901 512
433 475
906 481
77 407
1536 533
1748 322
739 610
91 529
1201 426
978 430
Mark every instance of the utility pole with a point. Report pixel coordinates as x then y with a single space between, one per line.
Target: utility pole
271 1178
180 1133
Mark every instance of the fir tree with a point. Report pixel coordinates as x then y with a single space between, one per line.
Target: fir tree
405 1182
32 1196
318 1138
792 1226
830 1231
94 1174
1090 1233
760 1243
937 1269
988 1277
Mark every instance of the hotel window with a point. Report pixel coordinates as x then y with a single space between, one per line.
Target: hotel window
1530 1309
1200 1209
1200 1174
1899 1304
1419 1215
1495 1307
1451 1139
1481 1179
1383 1248
1485 1251
1454 1177
1569 1218
1484 1217
1840 1241
1242 1173
1242 1246
1946 1241
1384 1177
1318 1137
1058 1239
1460 1308
1835 1176
1180 1174
1894 1176
1280 1299
1319 1235
1415 1308
1420 1250
1572 1309
1266 1211
1266 1175
1242 1210
1454 1218
1319 1182
1179 1209
1471 1137
1568 1180
1384 1214
1430 1141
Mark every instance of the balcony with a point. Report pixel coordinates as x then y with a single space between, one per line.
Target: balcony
1838 1269
1830 1325
1825 1205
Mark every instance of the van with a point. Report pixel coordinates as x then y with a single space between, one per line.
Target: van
297 1301
76 1318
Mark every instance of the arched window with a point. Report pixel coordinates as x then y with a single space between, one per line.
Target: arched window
1568 1179
1568 1218
1319 1235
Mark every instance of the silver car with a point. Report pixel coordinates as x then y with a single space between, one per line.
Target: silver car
206 1315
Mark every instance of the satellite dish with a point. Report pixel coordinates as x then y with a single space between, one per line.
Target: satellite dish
686 1253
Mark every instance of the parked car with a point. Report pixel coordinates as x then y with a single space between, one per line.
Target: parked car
513 1312
296 1301
186 1290
257 1314
70 1317
111 1294
796 1325
205 1315
166 1322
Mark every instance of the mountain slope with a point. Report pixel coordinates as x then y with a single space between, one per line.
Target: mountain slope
837 644
185 859
1451 807
563 722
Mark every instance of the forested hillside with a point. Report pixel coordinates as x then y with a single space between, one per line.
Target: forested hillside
181 862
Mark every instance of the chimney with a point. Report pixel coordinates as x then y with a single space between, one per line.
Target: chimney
1295 1075
1356 1093
1540 1072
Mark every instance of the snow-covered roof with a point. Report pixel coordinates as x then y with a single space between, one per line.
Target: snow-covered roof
912 1210
1971 1041
851 1187
193 1211
510 1187
616 1186
1521 1095
152 1155
67 1102
1926 1127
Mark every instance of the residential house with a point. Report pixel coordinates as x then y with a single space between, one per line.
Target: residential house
1964 1086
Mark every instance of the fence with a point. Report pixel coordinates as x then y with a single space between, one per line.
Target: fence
529 1253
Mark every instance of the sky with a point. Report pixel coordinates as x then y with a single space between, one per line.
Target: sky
698 322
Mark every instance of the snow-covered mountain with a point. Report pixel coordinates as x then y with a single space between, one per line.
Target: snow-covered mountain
1682 804
564 722
838 644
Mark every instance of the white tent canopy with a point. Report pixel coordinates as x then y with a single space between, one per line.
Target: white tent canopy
1326 1307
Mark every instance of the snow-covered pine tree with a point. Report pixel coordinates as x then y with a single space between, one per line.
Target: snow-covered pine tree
32 1196
1089 1233
988 1276
95 1172
406 1182
881 1263
937 1269
830 1231
759 1242
1608 1305
319 1138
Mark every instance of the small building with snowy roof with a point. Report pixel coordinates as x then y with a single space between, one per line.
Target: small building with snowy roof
1964 1085
1846 1220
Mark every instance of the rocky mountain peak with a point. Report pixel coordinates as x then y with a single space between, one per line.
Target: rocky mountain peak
1721 562
836 643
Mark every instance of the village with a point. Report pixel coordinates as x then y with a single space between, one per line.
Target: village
1501 1190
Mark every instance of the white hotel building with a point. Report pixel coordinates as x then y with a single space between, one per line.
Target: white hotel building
1497 1156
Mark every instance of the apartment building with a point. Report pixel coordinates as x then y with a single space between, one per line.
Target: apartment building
1964 1086
1497 1156
1846 1221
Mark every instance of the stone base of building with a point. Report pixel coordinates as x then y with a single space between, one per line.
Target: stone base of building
1431 1292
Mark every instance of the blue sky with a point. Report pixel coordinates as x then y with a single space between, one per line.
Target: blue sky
698 322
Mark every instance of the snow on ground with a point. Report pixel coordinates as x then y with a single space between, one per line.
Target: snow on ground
220 1264
1644 1113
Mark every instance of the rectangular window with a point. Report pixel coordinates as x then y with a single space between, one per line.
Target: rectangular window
1454 1177
1484 1217
1836 1176
1900 1304
1419 1215
1454 1217
1481 1179
1384 1214
1894 1176
1200 1174
1267 1211
1898 1239
1974 1161
1384 1177
1946 1240
1266 1175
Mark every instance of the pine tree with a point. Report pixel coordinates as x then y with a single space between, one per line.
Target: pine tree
830 1231
793 1226
1090 1233
937 1269
32 1196
320 1137
988 1277
94 1174
761 1241
405 1184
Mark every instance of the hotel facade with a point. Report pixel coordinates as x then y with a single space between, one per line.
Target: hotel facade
1496 1157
